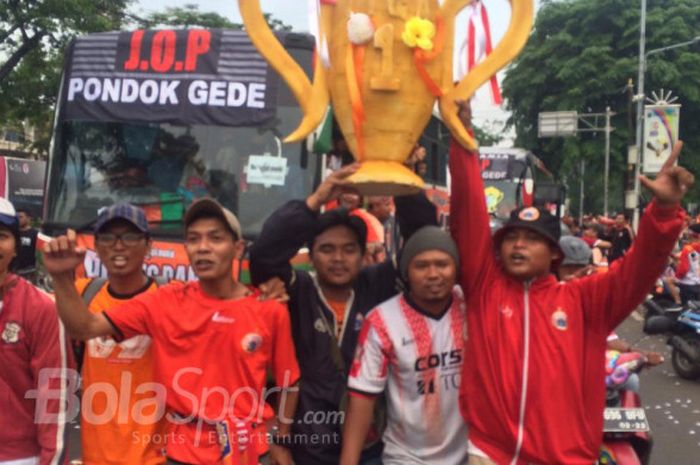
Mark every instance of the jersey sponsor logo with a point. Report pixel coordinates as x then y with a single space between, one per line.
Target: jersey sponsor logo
359 319
560 320
219 318
444 360
11 332
131 349
251 342
507 311
319 326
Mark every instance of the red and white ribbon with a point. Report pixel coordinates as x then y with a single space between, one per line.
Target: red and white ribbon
314 15
478 45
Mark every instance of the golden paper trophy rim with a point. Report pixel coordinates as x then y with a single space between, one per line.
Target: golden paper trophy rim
380 177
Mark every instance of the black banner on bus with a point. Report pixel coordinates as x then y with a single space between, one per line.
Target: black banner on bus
189 76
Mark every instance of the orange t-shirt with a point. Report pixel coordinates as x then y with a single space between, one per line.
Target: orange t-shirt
114 429
212 356
339 312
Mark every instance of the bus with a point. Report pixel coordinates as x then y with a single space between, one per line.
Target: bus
159 118
508 174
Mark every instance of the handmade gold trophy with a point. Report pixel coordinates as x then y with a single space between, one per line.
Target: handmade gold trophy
387 63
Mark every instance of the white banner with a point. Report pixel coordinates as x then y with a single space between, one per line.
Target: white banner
660 133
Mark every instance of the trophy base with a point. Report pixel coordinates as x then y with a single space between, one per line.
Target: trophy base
386 178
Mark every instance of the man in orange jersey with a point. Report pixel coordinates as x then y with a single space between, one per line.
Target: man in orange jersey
122 243
213 342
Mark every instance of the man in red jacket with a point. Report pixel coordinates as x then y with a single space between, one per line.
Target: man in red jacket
532 382
36 366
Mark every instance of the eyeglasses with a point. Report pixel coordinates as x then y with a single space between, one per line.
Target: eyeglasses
128 239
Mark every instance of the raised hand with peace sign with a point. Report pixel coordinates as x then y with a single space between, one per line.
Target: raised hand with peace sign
672 182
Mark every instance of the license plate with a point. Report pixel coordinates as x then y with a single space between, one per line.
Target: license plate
621 420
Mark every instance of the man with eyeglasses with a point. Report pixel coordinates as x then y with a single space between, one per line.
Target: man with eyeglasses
122 243
214 342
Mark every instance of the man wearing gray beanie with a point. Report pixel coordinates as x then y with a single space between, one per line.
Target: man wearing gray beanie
427 238
411 348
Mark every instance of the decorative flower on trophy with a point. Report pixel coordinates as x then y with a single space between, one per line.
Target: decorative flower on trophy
386 64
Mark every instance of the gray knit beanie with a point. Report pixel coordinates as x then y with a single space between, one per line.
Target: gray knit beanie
427 238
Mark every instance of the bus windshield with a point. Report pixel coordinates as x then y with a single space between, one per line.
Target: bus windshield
164 165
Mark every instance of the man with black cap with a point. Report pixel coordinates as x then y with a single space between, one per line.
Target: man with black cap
532 389
411 349
122 243
328 306
35 362
214 341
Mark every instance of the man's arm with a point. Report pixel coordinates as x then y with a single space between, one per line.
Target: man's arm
289 228
469 219
287 407
287 373
358 419
368 377
413 212
610 297
61 257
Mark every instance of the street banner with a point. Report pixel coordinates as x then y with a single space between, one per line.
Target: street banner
660 133
184 77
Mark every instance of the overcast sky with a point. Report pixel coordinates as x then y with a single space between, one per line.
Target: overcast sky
294 13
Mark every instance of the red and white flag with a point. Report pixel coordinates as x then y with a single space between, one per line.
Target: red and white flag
478 45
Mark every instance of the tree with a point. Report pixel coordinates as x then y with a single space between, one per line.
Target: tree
190 16
27 25
33 38
580 57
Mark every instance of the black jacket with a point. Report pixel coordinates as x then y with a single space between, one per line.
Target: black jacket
317 426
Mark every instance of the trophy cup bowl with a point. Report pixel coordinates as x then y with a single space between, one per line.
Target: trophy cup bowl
383 88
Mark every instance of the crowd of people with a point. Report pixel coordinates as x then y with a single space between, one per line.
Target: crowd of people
405 344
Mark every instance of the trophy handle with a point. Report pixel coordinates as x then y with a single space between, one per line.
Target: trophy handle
509 47
313 99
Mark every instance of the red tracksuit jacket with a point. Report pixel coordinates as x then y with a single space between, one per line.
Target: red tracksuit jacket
533 388
34 359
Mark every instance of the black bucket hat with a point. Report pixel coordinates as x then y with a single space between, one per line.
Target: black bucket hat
535 219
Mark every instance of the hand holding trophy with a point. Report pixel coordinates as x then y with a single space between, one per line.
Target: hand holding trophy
388 62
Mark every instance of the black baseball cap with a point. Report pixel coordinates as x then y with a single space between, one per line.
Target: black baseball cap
535 219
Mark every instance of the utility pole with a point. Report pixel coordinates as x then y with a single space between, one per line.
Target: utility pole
608 130
640 110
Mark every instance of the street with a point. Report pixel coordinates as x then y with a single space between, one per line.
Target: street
672 403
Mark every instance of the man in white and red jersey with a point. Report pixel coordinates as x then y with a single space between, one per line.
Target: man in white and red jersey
536 347
35 364
411 348
213 342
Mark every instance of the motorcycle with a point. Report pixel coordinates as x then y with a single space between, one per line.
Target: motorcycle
661 303
626 438
684 339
